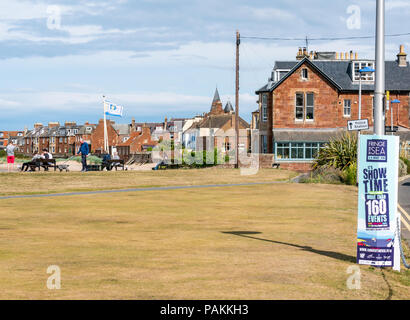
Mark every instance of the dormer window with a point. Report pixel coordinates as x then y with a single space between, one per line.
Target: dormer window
358 65
280 73
304 74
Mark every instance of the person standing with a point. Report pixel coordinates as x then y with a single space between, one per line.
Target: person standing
11 147
84 151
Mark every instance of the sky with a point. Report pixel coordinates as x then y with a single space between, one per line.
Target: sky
163 58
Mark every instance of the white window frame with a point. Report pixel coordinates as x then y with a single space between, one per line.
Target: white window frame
264 107
302 74
277 74
304 107
297 106
307 106
369 77
347 115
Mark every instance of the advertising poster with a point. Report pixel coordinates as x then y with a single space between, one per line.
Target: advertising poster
377 202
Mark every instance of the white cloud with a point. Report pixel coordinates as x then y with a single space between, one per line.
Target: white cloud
270 13
391 5
135 104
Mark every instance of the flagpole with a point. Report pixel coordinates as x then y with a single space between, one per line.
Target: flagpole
105 128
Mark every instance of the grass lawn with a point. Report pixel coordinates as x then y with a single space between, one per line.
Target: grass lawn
281 241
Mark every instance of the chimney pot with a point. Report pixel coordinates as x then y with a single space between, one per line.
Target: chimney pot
402 57
300 54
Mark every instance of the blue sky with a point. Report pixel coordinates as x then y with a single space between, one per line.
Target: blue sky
161 58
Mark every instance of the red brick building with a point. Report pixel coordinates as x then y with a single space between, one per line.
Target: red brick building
310 100
139 141
61 141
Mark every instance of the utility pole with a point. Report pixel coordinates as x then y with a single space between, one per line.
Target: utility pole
380 69
238 42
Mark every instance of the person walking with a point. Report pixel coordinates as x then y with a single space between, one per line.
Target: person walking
84 151
11 147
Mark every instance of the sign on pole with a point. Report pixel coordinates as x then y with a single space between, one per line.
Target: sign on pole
377 239
357 125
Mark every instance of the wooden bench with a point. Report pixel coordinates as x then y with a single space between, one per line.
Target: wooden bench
46 163
113 163
93 167
168 166
276 165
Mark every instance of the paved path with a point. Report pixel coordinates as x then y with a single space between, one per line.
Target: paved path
404 207
139 189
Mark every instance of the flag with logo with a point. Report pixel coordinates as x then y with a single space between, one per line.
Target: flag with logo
112 109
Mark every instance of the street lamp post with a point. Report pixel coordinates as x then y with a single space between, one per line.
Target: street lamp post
391 113
379 88
364 71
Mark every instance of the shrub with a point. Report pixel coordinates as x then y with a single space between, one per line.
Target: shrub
407 163
349 175
3 153
90 159
403 169
338 153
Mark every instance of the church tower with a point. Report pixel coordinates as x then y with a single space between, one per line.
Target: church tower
216 107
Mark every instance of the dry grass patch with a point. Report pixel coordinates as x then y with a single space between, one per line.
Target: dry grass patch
285 241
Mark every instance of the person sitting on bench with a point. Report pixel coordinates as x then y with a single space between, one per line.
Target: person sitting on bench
116 157
163 162
46 155
106 162
32 163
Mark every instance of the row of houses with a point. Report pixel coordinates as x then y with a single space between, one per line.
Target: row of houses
215 129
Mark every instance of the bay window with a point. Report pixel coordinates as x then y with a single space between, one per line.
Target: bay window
297 150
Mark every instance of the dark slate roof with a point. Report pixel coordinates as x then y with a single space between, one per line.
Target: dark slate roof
287 65
306 136
228 107
216 96
338 72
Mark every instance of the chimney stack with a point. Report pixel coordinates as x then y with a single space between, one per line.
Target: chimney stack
300 54
70 123
402 57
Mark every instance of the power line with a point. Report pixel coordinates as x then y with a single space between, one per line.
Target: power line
321 39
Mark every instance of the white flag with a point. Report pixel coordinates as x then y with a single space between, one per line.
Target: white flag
112 109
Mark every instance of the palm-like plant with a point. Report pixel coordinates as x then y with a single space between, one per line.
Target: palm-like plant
339 153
